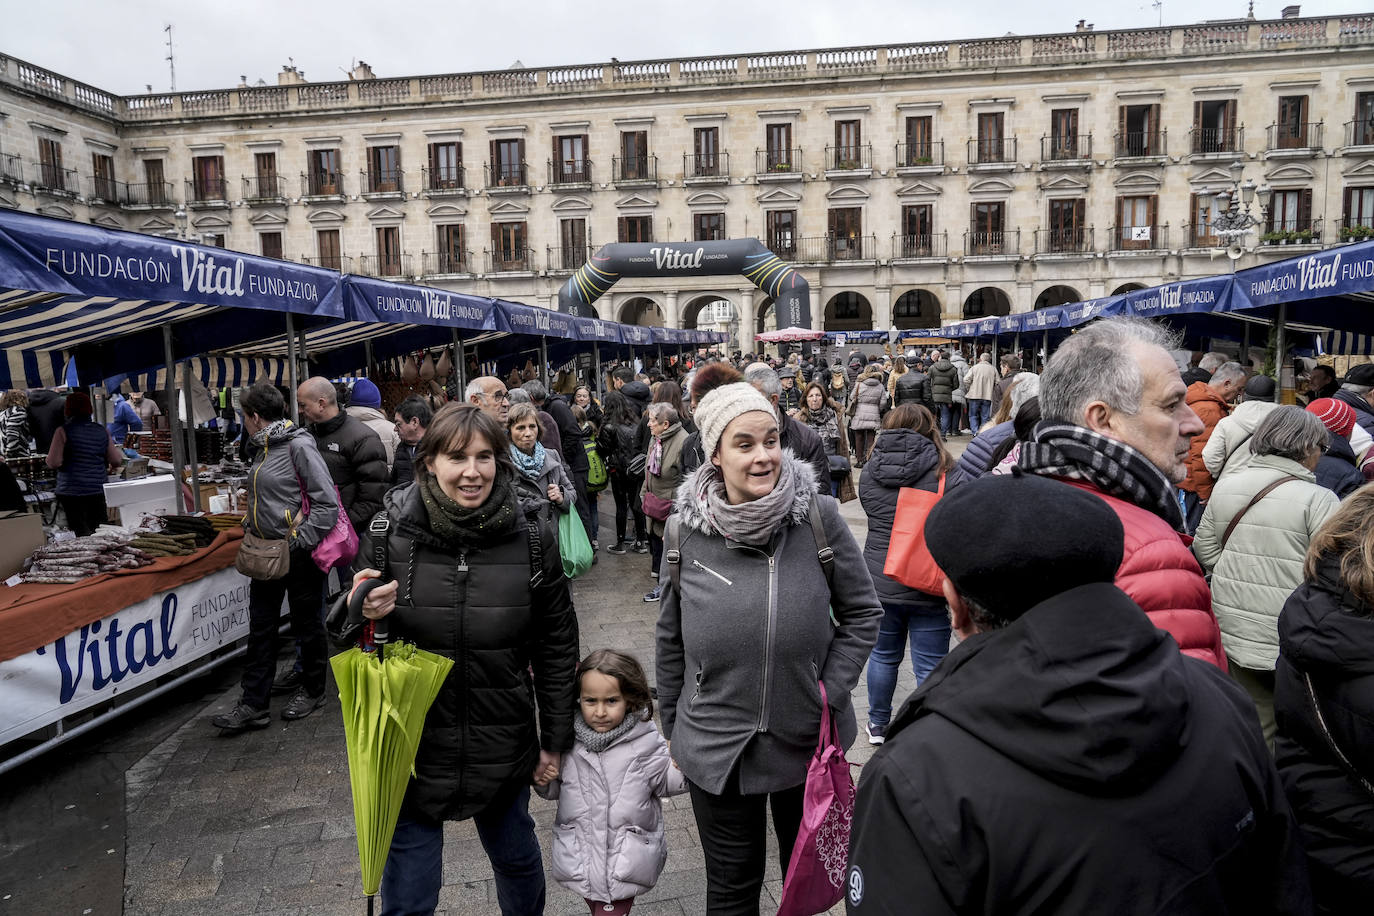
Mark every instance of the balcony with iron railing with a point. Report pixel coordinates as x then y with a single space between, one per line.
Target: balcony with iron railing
206 192
834 248
1142 144
264 189
104 190
338 262
706 168
922 155
319 186
1304 138
384 265
781 164
634 171
567 259
1202 236
570 174
992 151
784 246
1211 141
444 181
1137 238
1066 149
444 263
848 161
1073 240
1359 133
148 195
1288 232
1356 229
916 247
992 243
383 184
510 175
1348 33
53 179
509 260
11 168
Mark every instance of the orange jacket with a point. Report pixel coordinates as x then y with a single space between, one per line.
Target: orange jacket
1210 409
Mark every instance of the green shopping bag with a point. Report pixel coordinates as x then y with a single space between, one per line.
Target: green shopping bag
573 545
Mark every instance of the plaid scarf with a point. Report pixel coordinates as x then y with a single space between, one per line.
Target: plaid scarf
1077 453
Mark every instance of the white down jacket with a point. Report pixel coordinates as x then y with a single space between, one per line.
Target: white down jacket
608 837
1262 562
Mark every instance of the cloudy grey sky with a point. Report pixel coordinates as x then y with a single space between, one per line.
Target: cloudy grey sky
120 46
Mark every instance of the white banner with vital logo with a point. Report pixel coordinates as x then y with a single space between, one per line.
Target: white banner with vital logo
109 657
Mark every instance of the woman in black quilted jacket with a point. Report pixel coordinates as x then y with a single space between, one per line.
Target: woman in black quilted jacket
474 574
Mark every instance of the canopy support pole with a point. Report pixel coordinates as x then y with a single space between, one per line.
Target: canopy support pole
596 369
1245 346
544 362
305 357
659 348
1016 346
174 421
192 458
1045 350
371 362
460 365
1280 325
292 374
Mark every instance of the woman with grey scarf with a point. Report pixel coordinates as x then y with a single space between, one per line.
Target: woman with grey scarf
746 644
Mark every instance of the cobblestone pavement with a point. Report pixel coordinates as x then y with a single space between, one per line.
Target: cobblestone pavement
262 823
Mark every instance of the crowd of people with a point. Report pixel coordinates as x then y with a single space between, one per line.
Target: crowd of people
1158 603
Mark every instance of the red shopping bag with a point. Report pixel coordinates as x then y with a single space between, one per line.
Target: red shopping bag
815 874
908 560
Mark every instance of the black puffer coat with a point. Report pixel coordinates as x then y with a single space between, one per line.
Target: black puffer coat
944 378
475 603
1328 633
912 387
356 460
901 458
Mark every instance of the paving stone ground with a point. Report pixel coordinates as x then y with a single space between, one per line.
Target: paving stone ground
262 823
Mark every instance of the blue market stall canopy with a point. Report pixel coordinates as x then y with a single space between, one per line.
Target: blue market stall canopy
381 302
67 285
535 321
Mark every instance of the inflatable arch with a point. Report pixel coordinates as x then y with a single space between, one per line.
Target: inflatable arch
749 258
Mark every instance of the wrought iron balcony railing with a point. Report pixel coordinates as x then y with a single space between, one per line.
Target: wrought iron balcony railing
1202 140
206 191
1066 147
831 248
385 265
916 155
570 171
322 184
1073 240
634 168
1356 228
11 168
1138 238
1292 232
1138 144
777 161
438 263
849 158
105 189
509 260
446 179
1359 133
989 150
339 262
150 194
54 178
383 181
507 175
979 243
931 245
1307 135
265 187
567 258
706 165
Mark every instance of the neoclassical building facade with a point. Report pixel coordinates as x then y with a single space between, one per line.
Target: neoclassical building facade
910 183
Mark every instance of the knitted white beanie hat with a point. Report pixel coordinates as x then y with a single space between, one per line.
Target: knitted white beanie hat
722 405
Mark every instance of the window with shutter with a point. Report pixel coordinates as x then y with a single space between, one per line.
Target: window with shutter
779 147
847 144
102 176
705 152
987 235
327 249
920 135
846 233
572 234
781 227
917 228
990 145
452 258
1066 225
1357 208
1064 133
1363 126
1291 127
270 244
324 172
708 227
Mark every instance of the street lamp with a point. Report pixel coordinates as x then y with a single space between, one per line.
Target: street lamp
180 217
1231 221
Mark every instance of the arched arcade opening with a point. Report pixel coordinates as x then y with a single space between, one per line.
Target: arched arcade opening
1057 295
916 308
848 311
986 302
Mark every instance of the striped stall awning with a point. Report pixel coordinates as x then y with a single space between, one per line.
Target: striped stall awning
217 372
1347 343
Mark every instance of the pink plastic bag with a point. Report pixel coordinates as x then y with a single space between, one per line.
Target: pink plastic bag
815 874
340 545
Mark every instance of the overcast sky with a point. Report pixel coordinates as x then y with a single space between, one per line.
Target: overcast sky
120 45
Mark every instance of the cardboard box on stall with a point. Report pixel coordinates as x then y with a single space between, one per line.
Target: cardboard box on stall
21 533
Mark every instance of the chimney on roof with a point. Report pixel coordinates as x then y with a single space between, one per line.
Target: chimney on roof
1083 26
1291 12
290 76
361 71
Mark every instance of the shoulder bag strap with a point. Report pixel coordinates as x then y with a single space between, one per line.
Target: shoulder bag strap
672 549
379 529
536 546
1226 536
824 553
1331 741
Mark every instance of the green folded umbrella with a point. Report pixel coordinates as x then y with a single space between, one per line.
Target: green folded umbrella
384 708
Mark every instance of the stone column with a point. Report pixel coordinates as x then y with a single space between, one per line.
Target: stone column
882 308
671 317
746 320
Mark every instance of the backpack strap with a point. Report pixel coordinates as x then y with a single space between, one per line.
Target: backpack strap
824 552
672 549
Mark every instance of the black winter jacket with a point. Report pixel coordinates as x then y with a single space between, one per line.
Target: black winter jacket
944 378
639 395
569 434
475 604
1337 470
403 464
617 444
1328 633
900 458
356 460
912 387
1075 762
789 399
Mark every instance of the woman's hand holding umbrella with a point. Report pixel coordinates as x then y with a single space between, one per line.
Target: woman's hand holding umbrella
381 600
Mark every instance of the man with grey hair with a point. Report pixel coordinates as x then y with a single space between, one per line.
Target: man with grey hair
1358 392
488 394
1211 401
794 435
1202 372
1115 422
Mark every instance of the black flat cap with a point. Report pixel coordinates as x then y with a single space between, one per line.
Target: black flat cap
1363 374
976 536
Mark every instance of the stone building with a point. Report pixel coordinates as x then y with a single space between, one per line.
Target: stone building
911 183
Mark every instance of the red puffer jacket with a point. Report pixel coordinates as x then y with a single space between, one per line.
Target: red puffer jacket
1161 575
